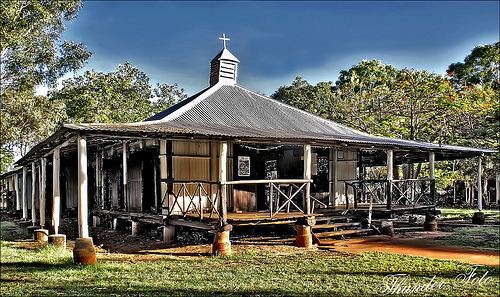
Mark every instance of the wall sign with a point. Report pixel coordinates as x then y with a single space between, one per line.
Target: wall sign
340 154
272 169
243 166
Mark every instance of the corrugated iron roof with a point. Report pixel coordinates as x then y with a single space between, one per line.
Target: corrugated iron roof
234 111
231 111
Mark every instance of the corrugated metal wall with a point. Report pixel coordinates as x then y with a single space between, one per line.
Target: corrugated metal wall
135 187
346 171
71 186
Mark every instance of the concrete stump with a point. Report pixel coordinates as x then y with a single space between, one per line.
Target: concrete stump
430 223
31 229
116 224
387 228
136 228
222 244
84 252
96 221
168 233
58 240
478 218
304 236
41 235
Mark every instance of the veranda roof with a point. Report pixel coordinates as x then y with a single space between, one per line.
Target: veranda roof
235 113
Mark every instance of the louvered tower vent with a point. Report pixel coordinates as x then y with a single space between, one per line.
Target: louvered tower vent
224 67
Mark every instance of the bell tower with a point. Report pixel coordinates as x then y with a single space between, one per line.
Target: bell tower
224 66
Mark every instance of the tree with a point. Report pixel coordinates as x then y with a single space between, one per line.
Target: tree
481 66
31 55
121 96
314 99
476 110
167 95
403 103
29 43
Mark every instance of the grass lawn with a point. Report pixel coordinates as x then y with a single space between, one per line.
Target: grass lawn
466 213
482 237
47 271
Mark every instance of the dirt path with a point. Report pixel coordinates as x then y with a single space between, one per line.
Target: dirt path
424 245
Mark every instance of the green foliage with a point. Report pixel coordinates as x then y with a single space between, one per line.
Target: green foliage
378 99
121 96
480 67
29 43
404 103
26 118
166 95
6 158
32 54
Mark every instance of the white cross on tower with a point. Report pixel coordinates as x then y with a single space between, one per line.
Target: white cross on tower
224 39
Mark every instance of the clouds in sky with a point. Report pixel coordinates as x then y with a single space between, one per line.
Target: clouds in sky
275 41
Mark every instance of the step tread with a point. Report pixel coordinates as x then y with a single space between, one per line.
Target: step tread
341 232
334 218
416 228
336 225
190 224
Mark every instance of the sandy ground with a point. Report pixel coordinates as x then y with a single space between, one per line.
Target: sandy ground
116 245
419 244
411 243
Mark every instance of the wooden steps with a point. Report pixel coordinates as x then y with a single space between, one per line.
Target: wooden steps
328 228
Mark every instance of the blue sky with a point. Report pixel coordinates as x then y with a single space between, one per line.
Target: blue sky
275 41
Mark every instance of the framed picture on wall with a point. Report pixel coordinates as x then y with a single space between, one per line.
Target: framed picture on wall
340 154
243 166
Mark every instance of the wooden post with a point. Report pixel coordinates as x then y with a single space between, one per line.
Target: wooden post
33 193
125 175
98 172
83 226
332 176
43 179
25 193
479 185
155 185
390 175
307 175
432 161
222 245
56 191
478 217
18 192
432 175
163 204
223 179
497 188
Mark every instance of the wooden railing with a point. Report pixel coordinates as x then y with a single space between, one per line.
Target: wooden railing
413 192
200 198
365 191
405 192
284 194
